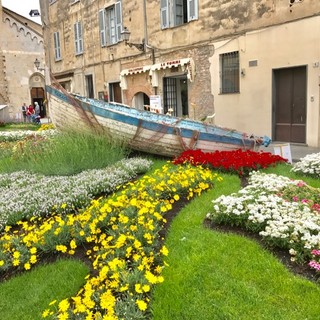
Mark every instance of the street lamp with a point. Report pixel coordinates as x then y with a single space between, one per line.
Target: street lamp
125 33
34 13
37 65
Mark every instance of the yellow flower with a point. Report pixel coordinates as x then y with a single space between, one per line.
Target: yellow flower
142 305
45 313
176 197
138 288
33 259
15 262
33 250
164 251
16 254
61 248
73 244
63 316
146 288
1 263
27 266
64 305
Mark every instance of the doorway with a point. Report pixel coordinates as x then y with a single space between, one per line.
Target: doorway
290 86
38 95
175 96
89 86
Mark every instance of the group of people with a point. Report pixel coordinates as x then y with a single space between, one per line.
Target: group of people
31 114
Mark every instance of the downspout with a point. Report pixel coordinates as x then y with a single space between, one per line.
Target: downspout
146 45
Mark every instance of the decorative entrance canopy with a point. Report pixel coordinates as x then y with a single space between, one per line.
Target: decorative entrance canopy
186 63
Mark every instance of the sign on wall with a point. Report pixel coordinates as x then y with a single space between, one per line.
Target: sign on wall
155 104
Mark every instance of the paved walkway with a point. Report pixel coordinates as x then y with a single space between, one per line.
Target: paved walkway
297 151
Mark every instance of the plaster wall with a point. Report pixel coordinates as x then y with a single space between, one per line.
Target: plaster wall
288 45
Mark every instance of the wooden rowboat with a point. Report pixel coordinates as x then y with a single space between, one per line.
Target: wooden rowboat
143 130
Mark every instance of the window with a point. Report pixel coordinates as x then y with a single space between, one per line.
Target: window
115 92
57 48
229 63
78 40
177 12
89 86
110 24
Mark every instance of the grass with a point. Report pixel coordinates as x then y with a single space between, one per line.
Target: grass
27 295
19 126
66 154
213 275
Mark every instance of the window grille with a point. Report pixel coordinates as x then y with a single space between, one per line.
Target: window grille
170 95
230 72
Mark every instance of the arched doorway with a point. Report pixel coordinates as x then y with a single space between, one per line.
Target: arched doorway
37 92
140 100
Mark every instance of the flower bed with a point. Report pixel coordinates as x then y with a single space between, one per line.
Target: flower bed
22 134
308 165
269 205
25 195
238 161
121 234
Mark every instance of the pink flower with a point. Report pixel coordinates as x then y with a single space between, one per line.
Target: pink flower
314 265
315 252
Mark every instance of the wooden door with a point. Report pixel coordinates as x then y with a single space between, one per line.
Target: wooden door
290 105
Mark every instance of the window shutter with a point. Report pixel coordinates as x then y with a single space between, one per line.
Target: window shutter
192 10
118 21
102 27
76 37
57 49
164 13
80 37
178 12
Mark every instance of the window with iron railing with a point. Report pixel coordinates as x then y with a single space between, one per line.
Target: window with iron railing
229 72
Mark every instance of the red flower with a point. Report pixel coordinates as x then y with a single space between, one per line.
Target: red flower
237 161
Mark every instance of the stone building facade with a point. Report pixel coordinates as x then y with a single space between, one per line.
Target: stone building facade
21 42
251 65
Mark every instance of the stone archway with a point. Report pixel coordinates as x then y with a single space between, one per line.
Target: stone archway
37 92
140 100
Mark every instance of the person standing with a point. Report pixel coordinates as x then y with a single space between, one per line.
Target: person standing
24 109
30 113
36 108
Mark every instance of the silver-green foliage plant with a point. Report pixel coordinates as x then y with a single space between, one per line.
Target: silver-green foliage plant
24 195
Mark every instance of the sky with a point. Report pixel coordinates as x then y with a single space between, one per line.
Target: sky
23 7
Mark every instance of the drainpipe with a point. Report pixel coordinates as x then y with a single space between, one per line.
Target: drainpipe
146 45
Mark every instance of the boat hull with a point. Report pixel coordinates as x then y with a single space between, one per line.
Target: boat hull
142 130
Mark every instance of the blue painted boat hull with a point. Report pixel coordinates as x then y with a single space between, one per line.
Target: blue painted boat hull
143 130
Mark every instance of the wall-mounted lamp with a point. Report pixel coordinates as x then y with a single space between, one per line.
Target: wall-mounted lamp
125 34
37 65
34 13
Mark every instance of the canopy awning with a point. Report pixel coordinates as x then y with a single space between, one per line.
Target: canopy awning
186 64
170 64
135 70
